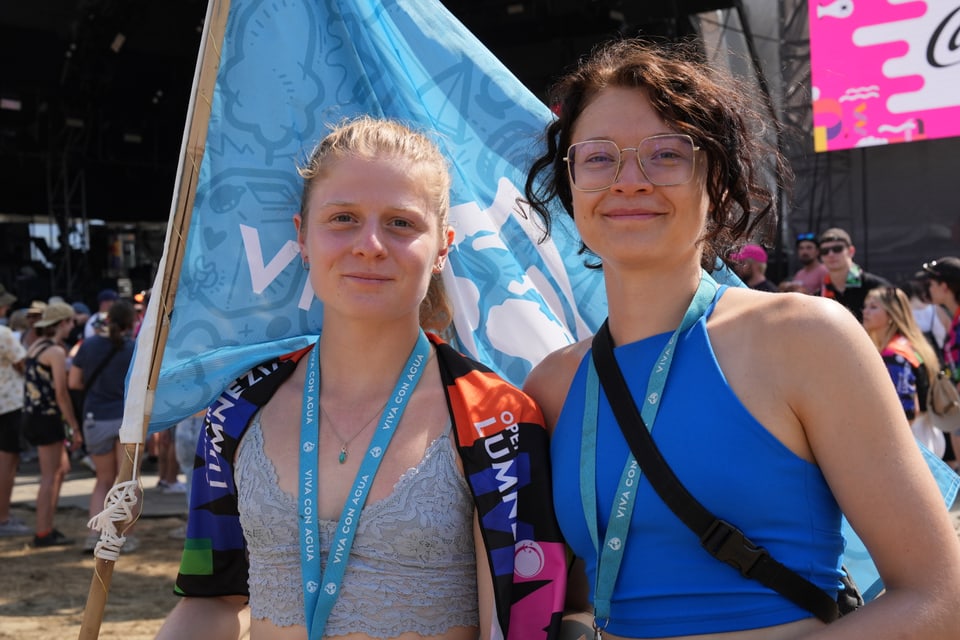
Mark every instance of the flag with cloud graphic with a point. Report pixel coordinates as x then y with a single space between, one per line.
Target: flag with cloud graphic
288 70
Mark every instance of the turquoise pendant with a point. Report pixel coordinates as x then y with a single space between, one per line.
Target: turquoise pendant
343 454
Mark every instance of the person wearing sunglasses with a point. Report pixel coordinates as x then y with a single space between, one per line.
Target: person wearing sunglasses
774 411
846 281
811 272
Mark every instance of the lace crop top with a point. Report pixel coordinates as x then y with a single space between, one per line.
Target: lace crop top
413 563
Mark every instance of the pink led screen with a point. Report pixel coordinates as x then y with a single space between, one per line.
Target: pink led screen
884 71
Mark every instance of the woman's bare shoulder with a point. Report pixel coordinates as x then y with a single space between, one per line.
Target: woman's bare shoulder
547 384
783 315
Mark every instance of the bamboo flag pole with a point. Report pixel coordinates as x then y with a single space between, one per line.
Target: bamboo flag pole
152 342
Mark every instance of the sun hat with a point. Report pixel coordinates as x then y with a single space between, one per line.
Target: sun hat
54 313
36 308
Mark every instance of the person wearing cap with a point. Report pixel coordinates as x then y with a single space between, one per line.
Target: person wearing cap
80 317
751 266
50 420
943 283
846 281
97 324
12 354
34 312
811 272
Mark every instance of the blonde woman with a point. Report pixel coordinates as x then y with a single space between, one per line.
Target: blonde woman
291 454
907 354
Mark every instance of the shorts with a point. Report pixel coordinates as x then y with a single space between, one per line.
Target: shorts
43 430
10 431
100 438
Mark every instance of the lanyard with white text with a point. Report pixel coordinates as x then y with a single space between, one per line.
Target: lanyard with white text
319 594
610 555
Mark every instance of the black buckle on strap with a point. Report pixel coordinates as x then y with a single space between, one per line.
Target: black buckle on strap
728 544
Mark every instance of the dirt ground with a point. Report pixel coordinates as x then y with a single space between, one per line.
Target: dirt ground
44 591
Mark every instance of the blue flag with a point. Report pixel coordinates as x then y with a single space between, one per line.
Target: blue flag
287 71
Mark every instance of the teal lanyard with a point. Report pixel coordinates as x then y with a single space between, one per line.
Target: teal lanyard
320 593
610 555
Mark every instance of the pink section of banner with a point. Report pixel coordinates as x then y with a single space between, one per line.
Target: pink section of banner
884 71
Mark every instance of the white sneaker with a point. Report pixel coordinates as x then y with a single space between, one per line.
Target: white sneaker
176 487
14 527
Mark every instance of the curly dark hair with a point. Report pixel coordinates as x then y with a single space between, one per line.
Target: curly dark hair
693 98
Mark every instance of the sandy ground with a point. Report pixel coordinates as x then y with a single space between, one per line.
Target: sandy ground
45 590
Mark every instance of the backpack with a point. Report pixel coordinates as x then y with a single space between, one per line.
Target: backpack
943 403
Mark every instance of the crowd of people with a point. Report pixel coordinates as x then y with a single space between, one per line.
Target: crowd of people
477 509
62 374
914 323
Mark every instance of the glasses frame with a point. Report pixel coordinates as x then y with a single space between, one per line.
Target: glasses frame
636 149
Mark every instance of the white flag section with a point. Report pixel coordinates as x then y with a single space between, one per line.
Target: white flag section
287 70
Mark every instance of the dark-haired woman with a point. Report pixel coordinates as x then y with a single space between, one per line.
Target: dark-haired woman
100 369
775 412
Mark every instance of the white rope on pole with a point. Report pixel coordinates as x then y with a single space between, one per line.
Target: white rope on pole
119 506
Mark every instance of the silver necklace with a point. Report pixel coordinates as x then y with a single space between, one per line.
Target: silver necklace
343 443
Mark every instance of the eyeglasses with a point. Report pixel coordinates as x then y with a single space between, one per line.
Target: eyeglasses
834 248
806 237
666 160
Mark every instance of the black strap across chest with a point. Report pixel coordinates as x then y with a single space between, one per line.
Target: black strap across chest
722 540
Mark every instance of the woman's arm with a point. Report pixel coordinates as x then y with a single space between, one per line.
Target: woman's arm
547 384
839 390
217 618
75 378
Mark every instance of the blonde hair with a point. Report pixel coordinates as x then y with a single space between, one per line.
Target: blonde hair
896 304
369 138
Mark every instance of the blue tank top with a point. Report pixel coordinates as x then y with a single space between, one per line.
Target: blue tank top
668 584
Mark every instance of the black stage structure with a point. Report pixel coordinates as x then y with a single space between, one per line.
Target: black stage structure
93 98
